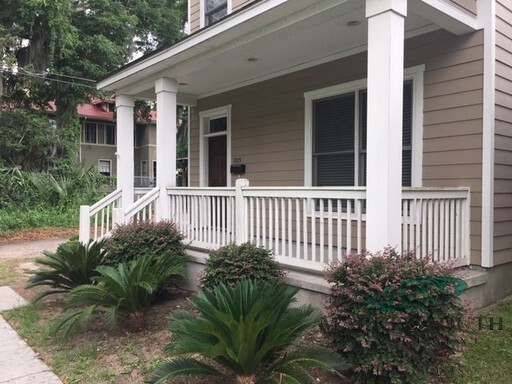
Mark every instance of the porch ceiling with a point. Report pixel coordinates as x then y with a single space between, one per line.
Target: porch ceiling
258 44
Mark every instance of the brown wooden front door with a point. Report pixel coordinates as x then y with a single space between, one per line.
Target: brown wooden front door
217 161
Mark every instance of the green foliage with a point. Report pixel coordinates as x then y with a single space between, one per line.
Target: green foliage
58 189
246 330
55 50
38 217
138 239
395 318
27 139
489 352
48 36
232 263
73 264
121 293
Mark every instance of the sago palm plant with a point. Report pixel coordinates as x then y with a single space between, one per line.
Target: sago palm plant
245 330
73 264
124 292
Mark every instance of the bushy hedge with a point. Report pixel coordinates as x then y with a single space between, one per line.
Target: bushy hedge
395 318
144 238
233 263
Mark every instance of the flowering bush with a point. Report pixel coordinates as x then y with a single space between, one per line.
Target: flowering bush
395 318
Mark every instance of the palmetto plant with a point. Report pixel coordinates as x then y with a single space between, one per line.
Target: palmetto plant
120 293
73 264
246 331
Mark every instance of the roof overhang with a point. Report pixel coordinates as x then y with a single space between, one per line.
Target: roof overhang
267 39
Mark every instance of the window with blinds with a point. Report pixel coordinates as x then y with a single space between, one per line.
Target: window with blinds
214 10
104 167
339 139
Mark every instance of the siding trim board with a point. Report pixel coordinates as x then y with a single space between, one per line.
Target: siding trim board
487 12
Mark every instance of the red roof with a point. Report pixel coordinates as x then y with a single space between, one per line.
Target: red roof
94 111
89 111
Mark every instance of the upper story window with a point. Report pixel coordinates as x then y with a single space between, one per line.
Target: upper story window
90 134
214 10
110 134
99 133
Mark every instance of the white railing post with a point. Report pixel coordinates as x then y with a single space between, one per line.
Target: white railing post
240 212
467 227
118 217
84 233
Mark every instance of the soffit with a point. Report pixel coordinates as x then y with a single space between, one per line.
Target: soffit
291 36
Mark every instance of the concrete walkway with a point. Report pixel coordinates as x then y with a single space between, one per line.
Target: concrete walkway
18 362
27 249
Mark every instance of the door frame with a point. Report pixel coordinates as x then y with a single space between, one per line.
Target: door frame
204 118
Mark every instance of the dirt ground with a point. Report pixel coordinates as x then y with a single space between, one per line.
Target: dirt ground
124 355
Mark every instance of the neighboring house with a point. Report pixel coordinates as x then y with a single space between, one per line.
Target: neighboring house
98 142
332 126
98 136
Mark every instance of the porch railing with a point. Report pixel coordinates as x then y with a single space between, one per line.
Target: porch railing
435 223
97 221
144 209
309 227
305 227
205 216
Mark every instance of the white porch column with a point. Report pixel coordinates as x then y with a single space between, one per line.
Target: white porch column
124 140
384 136
166 90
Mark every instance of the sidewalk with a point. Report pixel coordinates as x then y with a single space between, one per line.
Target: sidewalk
18 362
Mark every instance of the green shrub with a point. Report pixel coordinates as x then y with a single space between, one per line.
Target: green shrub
232 263
138 239
395 318
246 330
73 264
121 293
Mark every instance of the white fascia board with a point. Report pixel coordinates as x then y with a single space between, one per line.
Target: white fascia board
108 83
445 15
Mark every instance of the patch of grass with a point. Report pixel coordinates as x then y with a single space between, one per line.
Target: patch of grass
6 274
101 355
40 217
489 353
30 324
77 364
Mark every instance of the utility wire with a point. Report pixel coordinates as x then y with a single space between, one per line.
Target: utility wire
44 74
29 74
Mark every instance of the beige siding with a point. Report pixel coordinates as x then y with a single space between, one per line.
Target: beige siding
468 6
503 135
238 4
195 16
452 146
268 118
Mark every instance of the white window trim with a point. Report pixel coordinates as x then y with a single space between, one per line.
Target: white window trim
202 9
107 161
413 73
204 116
